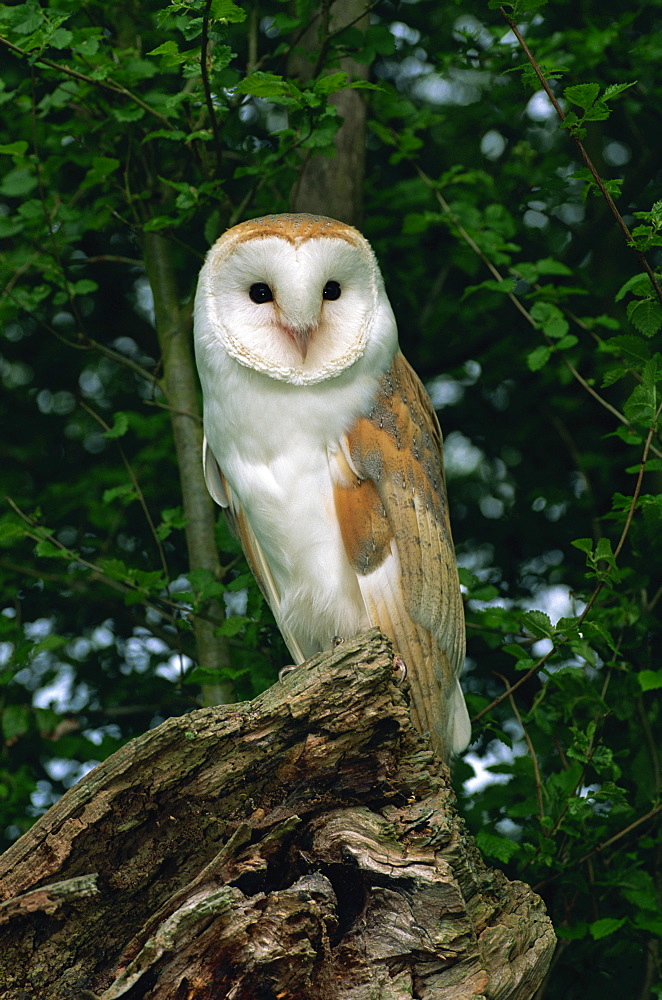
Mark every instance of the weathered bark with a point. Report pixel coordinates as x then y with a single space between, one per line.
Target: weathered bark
326 186
174 327
303 845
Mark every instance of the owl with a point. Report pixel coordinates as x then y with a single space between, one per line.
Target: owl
323 449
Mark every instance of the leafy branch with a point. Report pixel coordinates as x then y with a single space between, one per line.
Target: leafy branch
204 72
521 308
112 87
557 643
602 846
584 154
113 434
50 544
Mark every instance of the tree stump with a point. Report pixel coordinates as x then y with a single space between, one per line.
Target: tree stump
302 845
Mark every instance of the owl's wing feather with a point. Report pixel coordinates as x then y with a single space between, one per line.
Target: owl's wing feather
221 491
390 500
213 475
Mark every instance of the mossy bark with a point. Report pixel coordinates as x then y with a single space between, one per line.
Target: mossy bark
174 327
303 845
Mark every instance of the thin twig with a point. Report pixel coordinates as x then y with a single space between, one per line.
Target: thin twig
534 759
139 494
584 155
511 690
204 72
87 343
40 534
50 229
598 589
114 88
640 476
602 846
516 302
173 409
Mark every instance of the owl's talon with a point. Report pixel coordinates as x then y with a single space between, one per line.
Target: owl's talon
337 641
399 670
284 671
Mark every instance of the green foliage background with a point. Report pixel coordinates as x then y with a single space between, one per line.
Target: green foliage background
522 303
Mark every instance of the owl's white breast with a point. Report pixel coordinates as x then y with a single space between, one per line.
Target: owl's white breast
273 442
274 415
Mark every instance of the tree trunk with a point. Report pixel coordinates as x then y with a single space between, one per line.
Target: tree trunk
334 187
303 845
174 327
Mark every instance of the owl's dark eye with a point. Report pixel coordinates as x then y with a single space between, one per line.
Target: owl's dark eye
260 292
331 290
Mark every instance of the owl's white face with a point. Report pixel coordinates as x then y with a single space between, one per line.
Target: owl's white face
298 298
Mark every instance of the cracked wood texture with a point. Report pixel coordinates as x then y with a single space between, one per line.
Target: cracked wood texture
302 845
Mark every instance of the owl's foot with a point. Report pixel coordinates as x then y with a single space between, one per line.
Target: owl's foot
284 671
336 641
399 670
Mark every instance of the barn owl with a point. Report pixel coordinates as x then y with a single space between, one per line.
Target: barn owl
323 448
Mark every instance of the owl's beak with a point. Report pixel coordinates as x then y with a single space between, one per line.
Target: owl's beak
301 336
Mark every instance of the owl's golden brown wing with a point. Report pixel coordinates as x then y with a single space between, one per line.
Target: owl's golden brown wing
390 498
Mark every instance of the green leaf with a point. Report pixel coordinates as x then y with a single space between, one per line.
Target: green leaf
116 569
646 315
160 222
652 465
640 406
638 284
9 227
49 643
519 652
45 548
582 94
467 578
10 530
566 342
650 680
613 376
172 519
205 584
497 847
84 286
550 318
492 285
331 83
226 10
60 38
603 550
603 928
126 492
615 89
170 52
627 344
18 182
654 926
15 721
538 357
261 84
539 624
173 135
18 148
127 112
232 625
548 265
484 592
120 426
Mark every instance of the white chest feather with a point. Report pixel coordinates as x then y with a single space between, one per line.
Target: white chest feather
275 447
